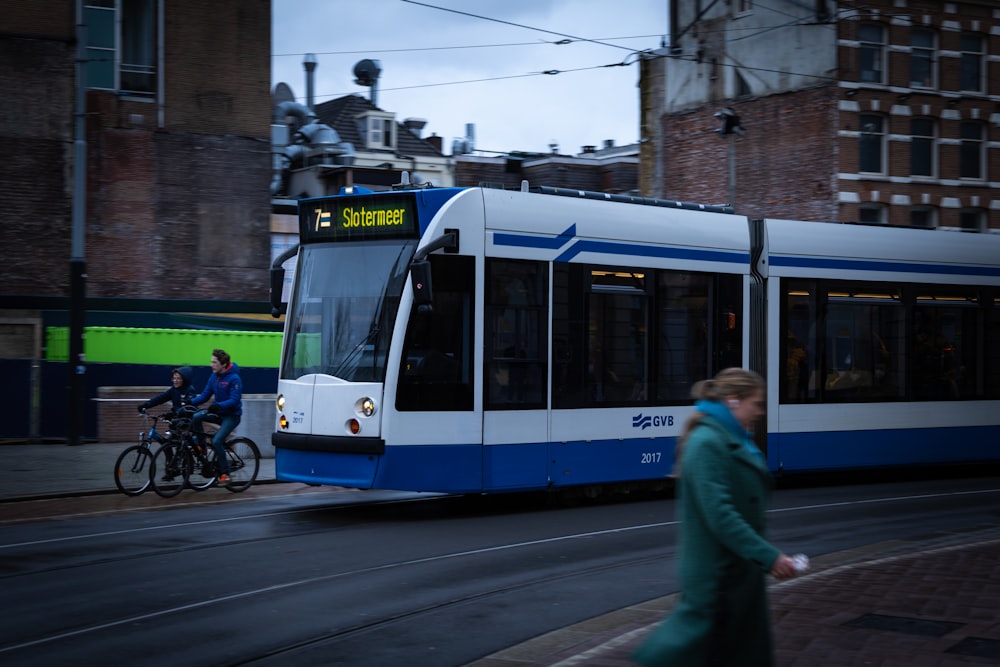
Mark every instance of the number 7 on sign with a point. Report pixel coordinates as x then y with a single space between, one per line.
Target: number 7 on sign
322 219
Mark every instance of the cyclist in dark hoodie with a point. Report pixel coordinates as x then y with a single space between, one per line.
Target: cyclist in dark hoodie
227 388
180 391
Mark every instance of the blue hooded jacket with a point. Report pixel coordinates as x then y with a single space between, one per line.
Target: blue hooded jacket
176 395
227 388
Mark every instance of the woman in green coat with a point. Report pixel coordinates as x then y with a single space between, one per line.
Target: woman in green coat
722 617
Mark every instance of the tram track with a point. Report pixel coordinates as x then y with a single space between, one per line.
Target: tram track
330 582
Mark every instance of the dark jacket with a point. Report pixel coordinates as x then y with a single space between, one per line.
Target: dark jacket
176 396
227 388
722 616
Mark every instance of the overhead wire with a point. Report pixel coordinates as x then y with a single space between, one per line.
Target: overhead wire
516 25
632 57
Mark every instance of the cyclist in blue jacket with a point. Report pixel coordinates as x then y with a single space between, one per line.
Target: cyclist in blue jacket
226 387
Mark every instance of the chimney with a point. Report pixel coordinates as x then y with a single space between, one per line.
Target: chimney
310 65
436 141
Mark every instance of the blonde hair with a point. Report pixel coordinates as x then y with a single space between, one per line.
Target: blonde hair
738 382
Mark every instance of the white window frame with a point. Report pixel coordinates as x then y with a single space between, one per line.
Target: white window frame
977 144
882 143
878 49
926 55
376 127
931 139
978 57
100 55
978 216
932 216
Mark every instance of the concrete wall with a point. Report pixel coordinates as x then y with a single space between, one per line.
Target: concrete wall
118 420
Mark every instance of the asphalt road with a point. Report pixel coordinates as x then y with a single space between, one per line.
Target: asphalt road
375 578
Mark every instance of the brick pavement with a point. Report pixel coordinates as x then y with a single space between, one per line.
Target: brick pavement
931 603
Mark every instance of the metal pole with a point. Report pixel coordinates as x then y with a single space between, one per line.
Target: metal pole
732 170
78 264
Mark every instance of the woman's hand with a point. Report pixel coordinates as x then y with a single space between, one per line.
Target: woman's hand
784 568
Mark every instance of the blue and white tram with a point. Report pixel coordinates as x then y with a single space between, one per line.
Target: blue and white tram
882 347
484 340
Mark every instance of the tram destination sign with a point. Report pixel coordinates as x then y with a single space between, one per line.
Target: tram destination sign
358 218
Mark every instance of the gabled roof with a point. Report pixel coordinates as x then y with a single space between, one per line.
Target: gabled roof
342 113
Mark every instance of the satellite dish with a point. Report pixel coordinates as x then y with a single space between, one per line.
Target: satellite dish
366 72
282 93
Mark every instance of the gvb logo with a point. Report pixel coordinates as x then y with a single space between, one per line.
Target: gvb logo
642 422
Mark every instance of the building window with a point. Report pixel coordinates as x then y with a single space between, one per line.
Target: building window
922 59
873 214
971 150
121 45
924 217
922 143
744 6
972 219
379 131
871 145
871 44
972 63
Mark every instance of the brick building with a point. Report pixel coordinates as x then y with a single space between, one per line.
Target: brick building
613 169
178 164
177 127
886 112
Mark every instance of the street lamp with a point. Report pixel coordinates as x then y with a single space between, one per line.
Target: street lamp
730 125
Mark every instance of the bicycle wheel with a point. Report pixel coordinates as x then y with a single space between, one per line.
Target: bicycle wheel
171 463
244 463
203 470
132 470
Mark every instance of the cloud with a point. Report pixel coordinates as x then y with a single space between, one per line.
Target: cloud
511 105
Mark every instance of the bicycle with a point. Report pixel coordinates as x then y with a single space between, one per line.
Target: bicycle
133 465
191 464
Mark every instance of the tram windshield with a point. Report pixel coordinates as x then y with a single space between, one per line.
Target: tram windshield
344 307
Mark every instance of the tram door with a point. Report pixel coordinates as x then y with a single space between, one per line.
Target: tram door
515 419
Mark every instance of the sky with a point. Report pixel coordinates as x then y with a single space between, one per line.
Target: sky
456 62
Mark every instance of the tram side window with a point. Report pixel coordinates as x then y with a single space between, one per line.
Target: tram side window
617 341
863 343
436 372
516 334
991 372
798 381
698 330
600 336
943 358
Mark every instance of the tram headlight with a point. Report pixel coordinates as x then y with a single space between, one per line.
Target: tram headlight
365 407
368 407
279 402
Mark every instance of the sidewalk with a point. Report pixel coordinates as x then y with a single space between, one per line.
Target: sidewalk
932 602
54 470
